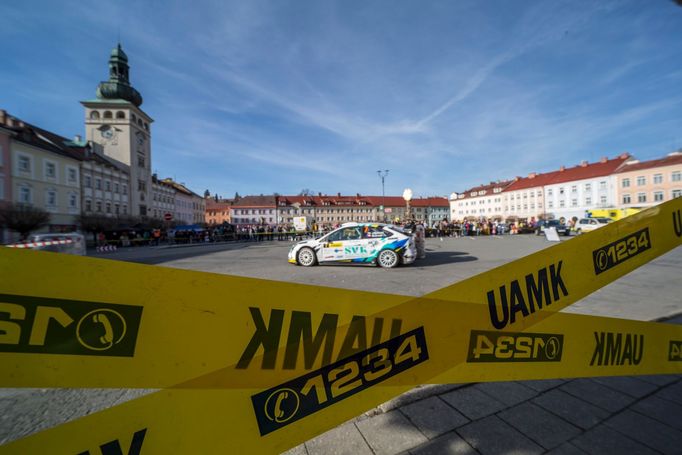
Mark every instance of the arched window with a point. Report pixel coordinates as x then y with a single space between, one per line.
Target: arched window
94 115
134 117
120 114
146 127
107 114
139 122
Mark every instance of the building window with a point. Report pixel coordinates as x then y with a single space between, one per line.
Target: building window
140 160
124 189
676 176
562 203
120 114
626 199
641 197
72 175
141 185
676 193
641 180
658 178
574 188
549 192
125 209
51 198
107 185
561 190
50 170
602 185
108 207
25 195
115 187
98 184
107 114
88 205
98 206
574 202
73 200
602 200
658 196
588 200
588 187
94 115
626 183
87 181
24 163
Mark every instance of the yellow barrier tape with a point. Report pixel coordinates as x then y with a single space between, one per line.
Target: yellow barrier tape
157 327
222 409
271 420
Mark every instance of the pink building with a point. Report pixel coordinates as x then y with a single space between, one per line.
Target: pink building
647 183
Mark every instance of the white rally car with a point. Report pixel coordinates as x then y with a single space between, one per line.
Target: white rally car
367 243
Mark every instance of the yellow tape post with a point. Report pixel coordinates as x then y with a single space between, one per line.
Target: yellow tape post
567 272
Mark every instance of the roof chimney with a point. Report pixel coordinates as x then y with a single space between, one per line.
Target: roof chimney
77 138
319 194
338 194
603 159
562 168
624 155
532 175
583 163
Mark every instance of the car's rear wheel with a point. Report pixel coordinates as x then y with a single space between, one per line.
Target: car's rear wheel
388 259
306 257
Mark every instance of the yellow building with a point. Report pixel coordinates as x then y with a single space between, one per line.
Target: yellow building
45 173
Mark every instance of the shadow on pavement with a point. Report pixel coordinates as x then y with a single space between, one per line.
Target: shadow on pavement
444 257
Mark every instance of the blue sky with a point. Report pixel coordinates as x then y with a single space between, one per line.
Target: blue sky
276 96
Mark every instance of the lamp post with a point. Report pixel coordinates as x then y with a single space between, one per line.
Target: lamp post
407 195
382 175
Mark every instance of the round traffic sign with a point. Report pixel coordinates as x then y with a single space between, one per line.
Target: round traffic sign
168 216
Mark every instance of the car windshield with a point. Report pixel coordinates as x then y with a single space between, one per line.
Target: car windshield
604 220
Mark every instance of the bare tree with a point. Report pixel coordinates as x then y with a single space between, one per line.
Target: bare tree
23 218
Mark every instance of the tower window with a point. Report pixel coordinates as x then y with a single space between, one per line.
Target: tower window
146 127
107 114
94 115
134 117
139 123
120 114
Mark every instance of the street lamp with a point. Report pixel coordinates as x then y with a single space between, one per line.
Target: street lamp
407 195
382 176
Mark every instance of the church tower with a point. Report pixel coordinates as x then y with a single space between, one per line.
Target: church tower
115 121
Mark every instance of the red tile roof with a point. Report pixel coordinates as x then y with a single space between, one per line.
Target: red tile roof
360 200
670 160
489 188
582 171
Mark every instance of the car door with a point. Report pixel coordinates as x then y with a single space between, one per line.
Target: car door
343 245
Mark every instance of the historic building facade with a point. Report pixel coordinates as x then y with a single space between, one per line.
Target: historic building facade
646 183
115 121
105 184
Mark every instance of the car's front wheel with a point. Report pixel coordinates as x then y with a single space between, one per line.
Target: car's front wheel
388 259
306 257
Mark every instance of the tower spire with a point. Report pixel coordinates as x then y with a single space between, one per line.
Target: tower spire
118 86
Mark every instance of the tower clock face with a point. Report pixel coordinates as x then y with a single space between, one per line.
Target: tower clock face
107 133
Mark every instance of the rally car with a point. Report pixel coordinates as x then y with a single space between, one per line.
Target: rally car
368 243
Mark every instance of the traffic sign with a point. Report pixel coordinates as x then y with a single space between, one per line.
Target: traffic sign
168 216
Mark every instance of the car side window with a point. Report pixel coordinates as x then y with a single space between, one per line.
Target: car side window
373 232
352 233
335 236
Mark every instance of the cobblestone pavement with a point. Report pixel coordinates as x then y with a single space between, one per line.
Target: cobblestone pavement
610 415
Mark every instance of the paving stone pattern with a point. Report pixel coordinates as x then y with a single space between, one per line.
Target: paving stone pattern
623 415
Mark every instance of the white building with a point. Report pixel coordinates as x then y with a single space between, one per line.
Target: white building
588 186
483 201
